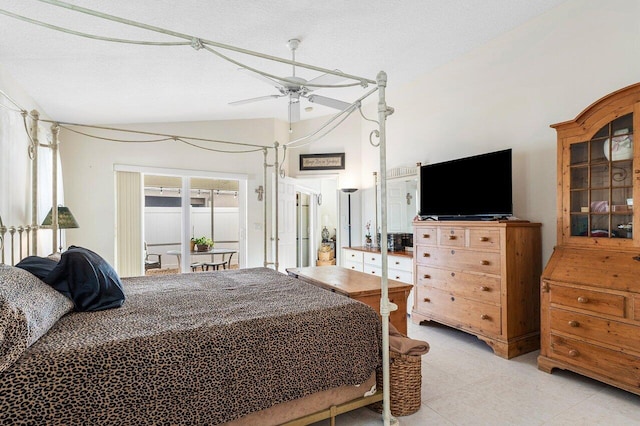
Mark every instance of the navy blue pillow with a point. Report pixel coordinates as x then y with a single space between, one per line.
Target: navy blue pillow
41 267
87 279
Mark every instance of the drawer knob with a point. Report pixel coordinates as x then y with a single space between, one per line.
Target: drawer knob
452 237
483 239
573 353
484 317
373 258
426 276
397 278
484 262
574 324
426 255
484 288
426 299
397 263
426 236
373 272
583 299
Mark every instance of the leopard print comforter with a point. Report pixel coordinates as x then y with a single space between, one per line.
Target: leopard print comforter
192 349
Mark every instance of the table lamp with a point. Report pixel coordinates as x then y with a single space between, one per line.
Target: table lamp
65 221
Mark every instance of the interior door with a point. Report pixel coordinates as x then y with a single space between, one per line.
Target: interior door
396 208
288 224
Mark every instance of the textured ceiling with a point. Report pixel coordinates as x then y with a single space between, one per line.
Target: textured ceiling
89 81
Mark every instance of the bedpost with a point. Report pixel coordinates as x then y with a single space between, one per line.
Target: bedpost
385 305
33 154
55 130
275 203
264 207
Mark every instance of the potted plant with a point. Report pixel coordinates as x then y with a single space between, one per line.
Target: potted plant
368 234
203 244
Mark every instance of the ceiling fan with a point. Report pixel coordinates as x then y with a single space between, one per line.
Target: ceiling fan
297 88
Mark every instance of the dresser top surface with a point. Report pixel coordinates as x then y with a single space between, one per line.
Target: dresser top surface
401 253
343 280
475 223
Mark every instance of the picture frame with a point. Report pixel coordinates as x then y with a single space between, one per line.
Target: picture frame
334 161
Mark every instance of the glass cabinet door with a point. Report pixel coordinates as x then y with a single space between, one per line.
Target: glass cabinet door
601 182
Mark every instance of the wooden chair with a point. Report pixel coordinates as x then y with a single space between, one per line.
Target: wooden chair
216 265
155 263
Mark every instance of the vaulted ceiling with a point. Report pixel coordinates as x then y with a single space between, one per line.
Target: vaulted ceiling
91 81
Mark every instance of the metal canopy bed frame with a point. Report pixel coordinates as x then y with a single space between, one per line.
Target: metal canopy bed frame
380 83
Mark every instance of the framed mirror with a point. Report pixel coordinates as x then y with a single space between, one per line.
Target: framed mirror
402 196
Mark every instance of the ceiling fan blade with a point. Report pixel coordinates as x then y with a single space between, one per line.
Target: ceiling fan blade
294 112
329 102
267 80
326 79
260 98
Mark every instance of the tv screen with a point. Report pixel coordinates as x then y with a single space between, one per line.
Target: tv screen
478 186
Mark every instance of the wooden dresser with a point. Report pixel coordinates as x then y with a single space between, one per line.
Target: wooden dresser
482 278
400 263
360 286
591 315
590 289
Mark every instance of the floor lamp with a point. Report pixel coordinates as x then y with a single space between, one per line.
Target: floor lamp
65 221
349 191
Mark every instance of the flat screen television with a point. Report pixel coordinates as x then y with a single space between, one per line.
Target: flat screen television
477 187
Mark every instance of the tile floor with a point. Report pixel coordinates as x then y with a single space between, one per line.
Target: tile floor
463 383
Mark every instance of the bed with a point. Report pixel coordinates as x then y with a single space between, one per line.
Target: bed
197 348
188 352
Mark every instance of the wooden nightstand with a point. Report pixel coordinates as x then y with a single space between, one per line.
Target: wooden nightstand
359 286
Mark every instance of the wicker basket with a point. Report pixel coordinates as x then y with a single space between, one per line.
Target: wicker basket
405 380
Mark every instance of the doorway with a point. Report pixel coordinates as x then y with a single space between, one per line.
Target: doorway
213 212
303 230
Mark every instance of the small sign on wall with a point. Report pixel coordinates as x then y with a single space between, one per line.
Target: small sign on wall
322 161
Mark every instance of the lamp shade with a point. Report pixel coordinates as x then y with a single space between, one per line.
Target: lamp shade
65 218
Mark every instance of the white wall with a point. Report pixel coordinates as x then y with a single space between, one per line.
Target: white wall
507 93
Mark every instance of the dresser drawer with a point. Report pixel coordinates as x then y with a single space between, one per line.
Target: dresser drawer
594 301
401 262
617 334
619 366
459 311
372 270
356 266
425 235
480 238
399 275
459 259
485 288
451 237
372 259
352 255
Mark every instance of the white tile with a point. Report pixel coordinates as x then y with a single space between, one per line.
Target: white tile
464 383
